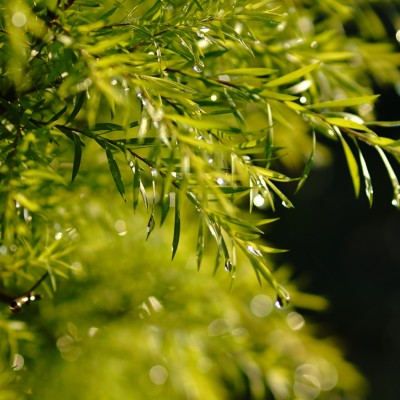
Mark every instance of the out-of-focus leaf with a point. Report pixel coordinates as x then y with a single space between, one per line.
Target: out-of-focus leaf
200 243
292 76
349 102
40 175
25 202
277 96
200 123
249 71
57 115
352 164
233 189
177 225
115 173
383 124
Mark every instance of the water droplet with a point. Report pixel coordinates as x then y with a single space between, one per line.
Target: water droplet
285 204
259 201
198 67
228 265
282 299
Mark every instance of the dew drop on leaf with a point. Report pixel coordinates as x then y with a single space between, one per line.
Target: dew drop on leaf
198 67
282 299
228 265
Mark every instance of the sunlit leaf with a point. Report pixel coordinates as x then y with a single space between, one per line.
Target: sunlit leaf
292 76
393 178
349 102
369 191
352 164
346 123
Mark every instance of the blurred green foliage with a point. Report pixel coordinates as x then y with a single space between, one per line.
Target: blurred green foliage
196 113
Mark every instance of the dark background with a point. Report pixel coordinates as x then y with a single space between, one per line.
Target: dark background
350 253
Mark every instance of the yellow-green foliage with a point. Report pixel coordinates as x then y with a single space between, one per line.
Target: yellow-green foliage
195 112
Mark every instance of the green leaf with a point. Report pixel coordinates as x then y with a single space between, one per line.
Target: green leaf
369 190
258 262
346 123
233 189
200 123
79 103
57 115
384 124
270 174
115 173
136 184
353 101
25 202
269 249
292 76
150 225
144 194
200 242
307 168
352 164
165 207
107 126
77 155
177 225
249 71
277 96
285 201
392 176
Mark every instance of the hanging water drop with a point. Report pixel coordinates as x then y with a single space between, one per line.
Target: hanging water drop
228 265
198 67
282 299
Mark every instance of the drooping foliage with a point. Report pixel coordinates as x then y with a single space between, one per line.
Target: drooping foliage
200 109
